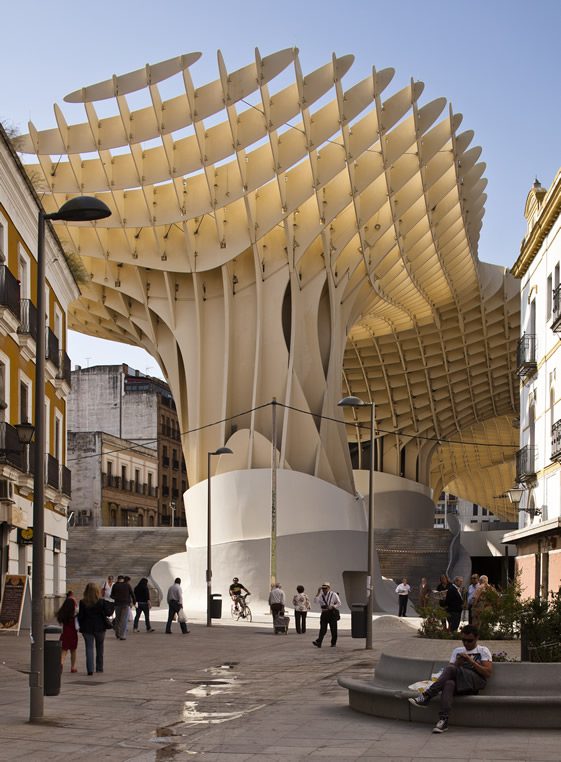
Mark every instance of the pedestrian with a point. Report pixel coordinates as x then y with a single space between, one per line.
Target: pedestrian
424 592
93 612
454 602
123 597
175 607
470 666
66 616
301 604
329 603
107 587
142 595
484 598
470 594
277 601
403 590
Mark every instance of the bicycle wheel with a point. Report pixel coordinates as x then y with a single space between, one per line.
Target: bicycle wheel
234 611
247 613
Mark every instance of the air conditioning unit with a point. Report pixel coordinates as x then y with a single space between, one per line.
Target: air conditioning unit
6 489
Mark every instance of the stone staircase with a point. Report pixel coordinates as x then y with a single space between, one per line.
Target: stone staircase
413 553
93 553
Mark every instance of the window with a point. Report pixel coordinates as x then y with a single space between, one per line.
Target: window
24 399
149 480
136 477
4 390
549 296
474 509
58 325
24 273
556 277
124 474
109 468
58 437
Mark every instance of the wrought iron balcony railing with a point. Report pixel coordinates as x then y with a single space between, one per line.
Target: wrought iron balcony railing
526 464
556 310
526 355
556 441
9 290
28 318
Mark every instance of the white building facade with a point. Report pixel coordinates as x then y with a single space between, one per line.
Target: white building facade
538 462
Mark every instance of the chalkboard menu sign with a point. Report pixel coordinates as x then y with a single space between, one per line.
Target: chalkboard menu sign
13 597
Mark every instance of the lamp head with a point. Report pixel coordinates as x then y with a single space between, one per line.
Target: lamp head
25 431
81 209
352 402
223 451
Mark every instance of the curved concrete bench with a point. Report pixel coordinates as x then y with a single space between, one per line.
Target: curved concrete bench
519 695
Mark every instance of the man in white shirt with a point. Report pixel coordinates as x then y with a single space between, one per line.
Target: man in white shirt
403 590
106 588
277 600
175 606
470 666
329 603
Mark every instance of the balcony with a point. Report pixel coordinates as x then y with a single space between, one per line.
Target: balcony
28 319
556 310
11 451
53 472
64 367
526 356
9 300
175 465
556 441
526 465
66 481
52 348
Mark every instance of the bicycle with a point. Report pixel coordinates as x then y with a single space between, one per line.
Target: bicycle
240 609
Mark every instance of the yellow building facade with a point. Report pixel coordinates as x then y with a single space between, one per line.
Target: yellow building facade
19 207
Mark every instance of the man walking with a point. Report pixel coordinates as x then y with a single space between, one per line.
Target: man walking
470 666
454 604
403 590
123 597
175 606
329 603
471 592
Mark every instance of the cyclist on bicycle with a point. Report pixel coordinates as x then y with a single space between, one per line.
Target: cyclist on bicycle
236 592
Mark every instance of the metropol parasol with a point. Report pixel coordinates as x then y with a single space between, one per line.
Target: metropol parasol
297 236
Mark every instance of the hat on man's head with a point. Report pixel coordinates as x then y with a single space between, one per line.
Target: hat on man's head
325 584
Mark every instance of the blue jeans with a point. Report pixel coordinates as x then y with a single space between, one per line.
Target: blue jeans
90 638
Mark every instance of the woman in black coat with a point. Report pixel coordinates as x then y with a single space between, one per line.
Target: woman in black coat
92 618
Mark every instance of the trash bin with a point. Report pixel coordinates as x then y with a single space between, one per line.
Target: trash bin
51 661
215 606
358 620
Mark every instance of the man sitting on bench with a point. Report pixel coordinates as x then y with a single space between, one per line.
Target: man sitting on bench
467 673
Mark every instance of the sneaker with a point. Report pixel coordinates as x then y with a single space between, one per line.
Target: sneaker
422 700
441 726
316 644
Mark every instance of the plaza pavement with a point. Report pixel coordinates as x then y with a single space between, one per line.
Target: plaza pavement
237 692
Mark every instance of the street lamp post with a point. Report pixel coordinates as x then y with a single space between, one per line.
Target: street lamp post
357 402
79 209
220 451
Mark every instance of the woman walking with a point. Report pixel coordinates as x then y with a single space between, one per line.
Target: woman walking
92 618
142 595
66 616
301 604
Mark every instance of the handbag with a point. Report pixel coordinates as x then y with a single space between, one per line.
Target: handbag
181 617
108 623
336 615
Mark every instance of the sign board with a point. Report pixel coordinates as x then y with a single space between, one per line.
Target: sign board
13 600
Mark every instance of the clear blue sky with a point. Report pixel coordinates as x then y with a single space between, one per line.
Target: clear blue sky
496 61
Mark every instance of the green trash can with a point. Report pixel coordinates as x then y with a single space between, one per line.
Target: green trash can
52 670
215 606
358 620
